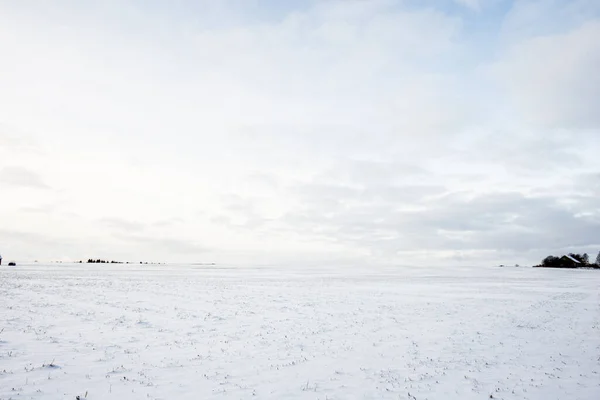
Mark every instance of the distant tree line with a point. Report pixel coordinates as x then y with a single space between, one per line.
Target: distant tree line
566 262
100 261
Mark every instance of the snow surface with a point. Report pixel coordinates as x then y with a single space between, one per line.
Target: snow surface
197 332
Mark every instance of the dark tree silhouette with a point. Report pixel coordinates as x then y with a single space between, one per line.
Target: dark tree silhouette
564 262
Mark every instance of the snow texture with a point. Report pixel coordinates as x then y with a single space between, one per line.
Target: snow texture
196 332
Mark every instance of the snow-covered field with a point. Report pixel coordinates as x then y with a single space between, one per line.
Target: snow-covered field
194 332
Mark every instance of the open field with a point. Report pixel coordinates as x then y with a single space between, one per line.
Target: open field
197 332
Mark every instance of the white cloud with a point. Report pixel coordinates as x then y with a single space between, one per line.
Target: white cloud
21 177
339 131
472 4
553 80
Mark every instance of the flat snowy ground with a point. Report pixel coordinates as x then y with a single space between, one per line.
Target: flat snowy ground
185 332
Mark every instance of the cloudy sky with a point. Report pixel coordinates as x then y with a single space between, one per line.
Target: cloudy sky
400 132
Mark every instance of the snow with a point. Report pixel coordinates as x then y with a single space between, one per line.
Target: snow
195 332
572 259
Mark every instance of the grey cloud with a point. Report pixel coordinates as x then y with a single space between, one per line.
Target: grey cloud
167 222
285 143
241 213
583 187
221 220
170 246
352 181
8 236
345 186
241 221
22 177
553 79
524 151
369 172
326 195
16 139
509 222
123 224
7 141
28 246
236 203
263 180
44 209
331 196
